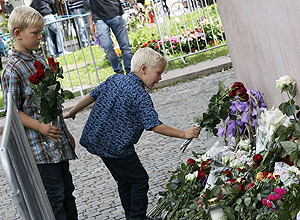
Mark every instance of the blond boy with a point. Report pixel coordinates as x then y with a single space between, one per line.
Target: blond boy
25 26
122 110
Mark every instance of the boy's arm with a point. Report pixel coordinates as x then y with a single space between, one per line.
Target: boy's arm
84 102
192 132
46 129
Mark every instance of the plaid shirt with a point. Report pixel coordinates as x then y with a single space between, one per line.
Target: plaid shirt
15 80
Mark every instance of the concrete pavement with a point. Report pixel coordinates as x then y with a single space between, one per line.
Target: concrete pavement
96 191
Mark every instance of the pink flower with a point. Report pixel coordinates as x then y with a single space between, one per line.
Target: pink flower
269 204
280 191
272 197
264 201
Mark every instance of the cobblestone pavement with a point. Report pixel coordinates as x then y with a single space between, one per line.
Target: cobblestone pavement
96 191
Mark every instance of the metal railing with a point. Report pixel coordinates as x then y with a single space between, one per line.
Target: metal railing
186 27
27 189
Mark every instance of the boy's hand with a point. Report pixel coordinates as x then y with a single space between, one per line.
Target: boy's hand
192 132
68 115
50 131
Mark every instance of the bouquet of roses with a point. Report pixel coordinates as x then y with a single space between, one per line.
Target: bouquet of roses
47 87
219 108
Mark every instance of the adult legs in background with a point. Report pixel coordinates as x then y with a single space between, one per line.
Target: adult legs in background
103 31
80 25
54 27
118 27
132 180
59 186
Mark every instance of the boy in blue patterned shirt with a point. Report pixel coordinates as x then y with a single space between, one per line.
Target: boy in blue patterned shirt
122 110
25 26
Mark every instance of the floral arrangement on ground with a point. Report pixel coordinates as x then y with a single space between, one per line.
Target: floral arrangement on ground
253 174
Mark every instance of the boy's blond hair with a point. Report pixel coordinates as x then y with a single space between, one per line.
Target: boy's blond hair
23 17
146 56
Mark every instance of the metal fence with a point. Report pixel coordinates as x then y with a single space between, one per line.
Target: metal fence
185 28
27 189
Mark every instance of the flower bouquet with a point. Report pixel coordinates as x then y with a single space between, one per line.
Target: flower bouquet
253 174
47 88
218 109
49 97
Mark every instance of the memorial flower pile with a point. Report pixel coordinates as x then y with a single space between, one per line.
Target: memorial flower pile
48 90
253 174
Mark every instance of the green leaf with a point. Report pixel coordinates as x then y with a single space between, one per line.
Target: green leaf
52 87
259 196
60 100
50 95
247 201
297 126
294 155
296 134
68 94
289 146
229 213
222 88
196 120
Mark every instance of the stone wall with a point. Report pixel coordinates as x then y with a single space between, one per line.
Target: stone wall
264 43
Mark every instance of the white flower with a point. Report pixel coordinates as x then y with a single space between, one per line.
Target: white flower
191 176
244 144
295 170
236 163
270 120
284 80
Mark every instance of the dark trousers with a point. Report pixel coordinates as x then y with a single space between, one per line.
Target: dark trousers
132 180
59 186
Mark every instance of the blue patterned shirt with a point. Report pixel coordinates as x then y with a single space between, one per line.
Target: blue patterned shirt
122 110
16 81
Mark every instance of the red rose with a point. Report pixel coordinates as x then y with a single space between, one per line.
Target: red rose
156 47
149 42
244 97
55 66
237 85
241 91
205 165
257 158
255 166
145 45
154 40
201 175
38 65
227 173
50 61
191 161
241 188
250 186
34 79
265 173
239 169
40 73
232 93
160 43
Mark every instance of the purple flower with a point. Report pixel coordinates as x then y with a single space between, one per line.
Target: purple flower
245 117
